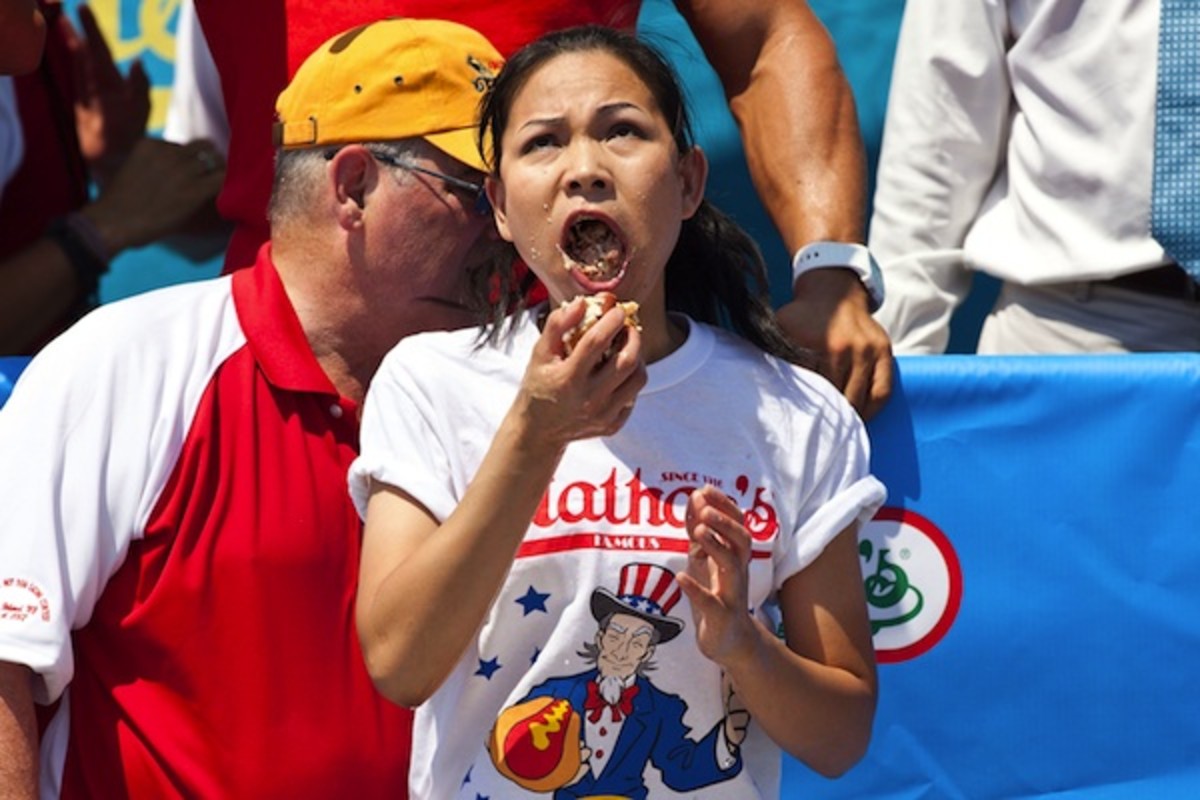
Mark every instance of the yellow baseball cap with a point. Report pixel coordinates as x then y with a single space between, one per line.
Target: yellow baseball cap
391 79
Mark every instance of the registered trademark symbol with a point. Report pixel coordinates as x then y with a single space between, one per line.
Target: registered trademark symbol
904 553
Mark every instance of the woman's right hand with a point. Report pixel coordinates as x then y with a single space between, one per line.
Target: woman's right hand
590 392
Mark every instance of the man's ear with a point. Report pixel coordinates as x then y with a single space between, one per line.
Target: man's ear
352 173
693 173
496 196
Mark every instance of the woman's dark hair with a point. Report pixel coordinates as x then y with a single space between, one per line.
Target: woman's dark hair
716 273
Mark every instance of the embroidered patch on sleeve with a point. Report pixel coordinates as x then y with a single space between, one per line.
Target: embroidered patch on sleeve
22 599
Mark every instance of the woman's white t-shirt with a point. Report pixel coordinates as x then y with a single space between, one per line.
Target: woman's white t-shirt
780 440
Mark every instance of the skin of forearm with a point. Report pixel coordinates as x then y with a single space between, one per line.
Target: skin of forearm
37 288
802 142
38 285
117 227
795 111
18 734
820 714
424 612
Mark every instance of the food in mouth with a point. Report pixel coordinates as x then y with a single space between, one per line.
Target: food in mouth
597 305
595 249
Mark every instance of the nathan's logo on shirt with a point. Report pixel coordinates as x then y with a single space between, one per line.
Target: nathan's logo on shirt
760 519
638 516
913 583
22 599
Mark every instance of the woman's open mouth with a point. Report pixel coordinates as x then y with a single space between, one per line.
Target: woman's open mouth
592 246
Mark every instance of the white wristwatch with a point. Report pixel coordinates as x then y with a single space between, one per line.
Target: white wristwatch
856 257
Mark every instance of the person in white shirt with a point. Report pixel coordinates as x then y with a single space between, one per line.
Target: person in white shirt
1019 143
550 523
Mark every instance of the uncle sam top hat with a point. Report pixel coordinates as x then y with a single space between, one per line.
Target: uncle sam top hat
646 591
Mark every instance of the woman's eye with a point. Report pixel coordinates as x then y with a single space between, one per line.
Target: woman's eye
621 130
539 142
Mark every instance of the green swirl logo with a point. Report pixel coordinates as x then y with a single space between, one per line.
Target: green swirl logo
913 583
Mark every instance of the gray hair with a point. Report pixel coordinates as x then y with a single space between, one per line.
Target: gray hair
299 172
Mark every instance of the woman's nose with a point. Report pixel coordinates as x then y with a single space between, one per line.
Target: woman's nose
585 171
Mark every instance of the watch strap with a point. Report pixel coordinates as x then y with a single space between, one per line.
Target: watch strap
844 255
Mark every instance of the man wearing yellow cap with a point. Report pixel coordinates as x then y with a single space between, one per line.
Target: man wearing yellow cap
178 552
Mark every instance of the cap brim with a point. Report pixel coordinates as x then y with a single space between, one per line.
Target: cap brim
460 145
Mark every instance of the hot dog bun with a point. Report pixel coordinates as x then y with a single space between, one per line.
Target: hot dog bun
597 306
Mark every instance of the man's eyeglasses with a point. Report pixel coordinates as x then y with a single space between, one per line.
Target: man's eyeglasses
475 190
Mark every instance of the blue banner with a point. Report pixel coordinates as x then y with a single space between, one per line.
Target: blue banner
1033 581
10 368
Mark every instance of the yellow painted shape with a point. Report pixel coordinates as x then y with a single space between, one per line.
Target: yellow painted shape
154 35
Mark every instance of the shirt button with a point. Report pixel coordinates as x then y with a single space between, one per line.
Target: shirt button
336 411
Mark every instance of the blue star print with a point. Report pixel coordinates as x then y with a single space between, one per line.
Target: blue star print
533 601
488 668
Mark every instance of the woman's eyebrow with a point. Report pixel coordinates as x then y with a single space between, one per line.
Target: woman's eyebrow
619 105
608 109
539 122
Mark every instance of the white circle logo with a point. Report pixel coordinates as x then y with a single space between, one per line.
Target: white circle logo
913 582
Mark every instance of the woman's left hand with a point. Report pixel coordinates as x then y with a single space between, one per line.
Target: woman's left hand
717 577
